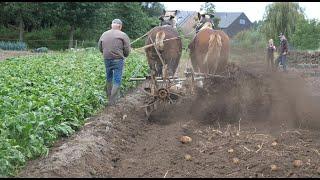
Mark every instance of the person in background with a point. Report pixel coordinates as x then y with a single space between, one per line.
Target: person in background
270 54
283 51
115 46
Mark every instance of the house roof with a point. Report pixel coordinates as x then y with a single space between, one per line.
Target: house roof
227 18
181 16
172 12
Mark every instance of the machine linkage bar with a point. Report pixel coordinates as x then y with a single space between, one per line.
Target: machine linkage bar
145 78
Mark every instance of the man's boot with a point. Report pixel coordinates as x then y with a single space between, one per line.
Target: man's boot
114 93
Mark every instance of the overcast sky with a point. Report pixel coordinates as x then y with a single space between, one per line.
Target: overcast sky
253 10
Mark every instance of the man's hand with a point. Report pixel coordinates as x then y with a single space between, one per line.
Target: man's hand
284 53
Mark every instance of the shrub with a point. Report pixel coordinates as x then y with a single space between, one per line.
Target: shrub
249 39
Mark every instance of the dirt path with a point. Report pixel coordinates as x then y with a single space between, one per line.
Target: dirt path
120 142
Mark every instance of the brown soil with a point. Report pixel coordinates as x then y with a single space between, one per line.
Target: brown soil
239 126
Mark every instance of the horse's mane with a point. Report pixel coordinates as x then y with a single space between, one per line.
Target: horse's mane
206 25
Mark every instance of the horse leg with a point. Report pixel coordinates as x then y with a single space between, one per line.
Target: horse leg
194 60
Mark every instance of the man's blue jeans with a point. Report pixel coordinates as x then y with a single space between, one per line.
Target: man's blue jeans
283 60
114 68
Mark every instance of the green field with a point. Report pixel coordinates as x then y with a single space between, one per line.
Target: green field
48 96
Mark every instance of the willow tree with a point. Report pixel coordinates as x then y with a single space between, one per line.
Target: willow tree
281 17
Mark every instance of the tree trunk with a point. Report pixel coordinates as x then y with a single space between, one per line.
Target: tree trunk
72 30
21 29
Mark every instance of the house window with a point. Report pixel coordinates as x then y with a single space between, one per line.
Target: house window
242 21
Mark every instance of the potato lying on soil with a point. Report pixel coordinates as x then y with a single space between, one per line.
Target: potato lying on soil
185 139
230 151
235 160
273 167
188 157
297 163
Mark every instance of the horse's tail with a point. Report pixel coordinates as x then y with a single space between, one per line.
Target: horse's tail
214 46
159 40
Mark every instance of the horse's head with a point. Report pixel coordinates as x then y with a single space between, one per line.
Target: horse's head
168 20
205 21
205 17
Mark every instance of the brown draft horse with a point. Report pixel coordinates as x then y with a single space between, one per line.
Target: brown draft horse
170 51
209 50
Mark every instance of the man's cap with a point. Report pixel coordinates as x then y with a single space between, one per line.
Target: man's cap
117 21
280 35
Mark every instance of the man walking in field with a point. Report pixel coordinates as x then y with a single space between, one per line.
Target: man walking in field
283 52
115 46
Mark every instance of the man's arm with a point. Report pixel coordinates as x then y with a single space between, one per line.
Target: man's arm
126 46
100 44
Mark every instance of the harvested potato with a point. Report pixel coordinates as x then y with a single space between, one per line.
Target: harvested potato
273 167
274 143
188 157
235 160
297 163
230 151
185 139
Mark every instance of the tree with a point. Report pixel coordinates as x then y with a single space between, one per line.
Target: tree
256 25
153 9
45 15
208 8
18 14
216 21
83 20
77 15
281 17
306 35
2 12
135 21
